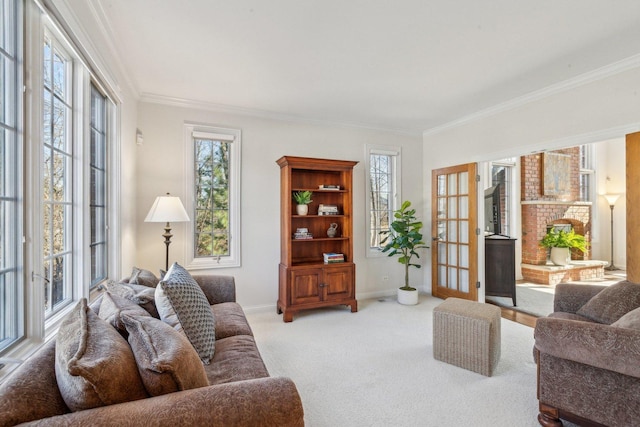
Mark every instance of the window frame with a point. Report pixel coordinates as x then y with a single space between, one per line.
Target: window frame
395 152
509 209
235 137
71 148
12 126
101 193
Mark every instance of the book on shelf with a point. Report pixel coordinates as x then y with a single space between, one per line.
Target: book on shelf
327 209
328 187
332 257
302 233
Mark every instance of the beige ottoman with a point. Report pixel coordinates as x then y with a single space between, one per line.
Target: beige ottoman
467 334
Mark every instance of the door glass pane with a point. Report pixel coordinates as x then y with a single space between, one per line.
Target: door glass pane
464 231
453 254
442 188
453 278
442 207
442 253
442 275
442 230
464 280
464 256
453 184
464 180
453 208
453 231
464 206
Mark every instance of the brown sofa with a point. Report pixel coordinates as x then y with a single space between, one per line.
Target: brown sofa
588 356
240 390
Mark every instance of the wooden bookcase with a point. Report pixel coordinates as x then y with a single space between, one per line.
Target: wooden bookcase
305 281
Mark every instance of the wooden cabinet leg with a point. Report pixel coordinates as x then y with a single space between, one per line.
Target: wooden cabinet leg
287 316
354 306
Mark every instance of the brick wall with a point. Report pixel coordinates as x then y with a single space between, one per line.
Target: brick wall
539 211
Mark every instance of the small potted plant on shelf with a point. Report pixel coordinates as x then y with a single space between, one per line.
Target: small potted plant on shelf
403 239
302 198
561 242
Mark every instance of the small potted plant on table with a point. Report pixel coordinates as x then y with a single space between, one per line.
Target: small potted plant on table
302 198
561 242
403 239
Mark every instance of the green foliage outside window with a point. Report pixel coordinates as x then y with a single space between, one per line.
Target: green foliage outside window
212 198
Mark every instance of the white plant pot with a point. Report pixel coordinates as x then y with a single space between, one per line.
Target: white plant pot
302 209
560 256
407 297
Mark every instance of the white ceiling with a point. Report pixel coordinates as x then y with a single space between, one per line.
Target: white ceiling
403 65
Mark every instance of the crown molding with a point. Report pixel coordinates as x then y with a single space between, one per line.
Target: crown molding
109 36
581 80
264 114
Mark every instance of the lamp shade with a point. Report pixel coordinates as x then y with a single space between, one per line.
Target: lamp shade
167 209
611 198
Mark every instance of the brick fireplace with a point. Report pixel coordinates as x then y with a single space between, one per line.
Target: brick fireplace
540 212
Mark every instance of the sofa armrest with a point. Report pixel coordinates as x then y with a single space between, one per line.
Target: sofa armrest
602 346
217 288
270 401
570 297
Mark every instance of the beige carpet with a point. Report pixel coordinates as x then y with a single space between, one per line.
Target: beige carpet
376 368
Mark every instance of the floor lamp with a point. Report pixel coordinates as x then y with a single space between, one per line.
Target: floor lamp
167 209
611 199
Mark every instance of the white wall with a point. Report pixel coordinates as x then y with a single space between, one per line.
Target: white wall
611 179
161 168
82 19
597 110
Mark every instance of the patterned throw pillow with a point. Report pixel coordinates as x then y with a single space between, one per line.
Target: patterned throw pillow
182 304
140 276
612 303
112 307
141 295
94 365
166 359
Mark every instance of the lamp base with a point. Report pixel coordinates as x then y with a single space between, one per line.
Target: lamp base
611 267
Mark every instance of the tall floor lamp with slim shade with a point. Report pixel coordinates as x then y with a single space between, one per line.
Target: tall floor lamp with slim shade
167 209
611 199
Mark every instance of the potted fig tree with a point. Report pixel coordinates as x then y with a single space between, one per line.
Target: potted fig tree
561 242
404 239
302 198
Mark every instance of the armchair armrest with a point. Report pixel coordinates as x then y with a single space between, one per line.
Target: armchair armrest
570 297
261 402
217 288
602 346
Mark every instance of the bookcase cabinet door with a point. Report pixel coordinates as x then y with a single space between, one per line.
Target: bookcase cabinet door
306 286
338 283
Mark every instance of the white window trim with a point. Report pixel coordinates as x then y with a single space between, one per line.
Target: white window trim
234 257
389 150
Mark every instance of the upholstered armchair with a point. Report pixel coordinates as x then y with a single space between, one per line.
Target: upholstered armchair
588 356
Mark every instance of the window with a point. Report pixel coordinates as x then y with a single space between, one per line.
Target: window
54 192
98 186
214 158
383 195
11 277
57 183
502 172
587 173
